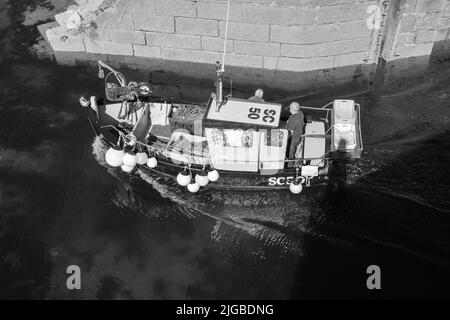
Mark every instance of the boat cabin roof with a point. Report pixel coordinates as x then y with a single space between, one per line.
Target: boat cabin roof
244 113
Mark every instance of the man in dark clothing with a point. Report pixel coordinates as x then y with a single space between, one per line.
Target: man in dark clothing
295 126
258 97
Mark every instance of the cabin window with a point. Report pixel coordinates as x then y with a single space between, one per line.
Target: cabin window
235 138
274 138
184 143
233 149
272 150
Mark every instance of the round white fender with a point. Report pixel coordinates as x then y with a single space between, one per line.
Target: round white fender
141 158
202 178
184 178
213 176
152 162
296 187
126 168
129 159
114 156
193 187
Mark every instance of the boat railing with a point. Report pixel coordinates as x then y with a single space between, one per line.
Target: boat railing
202 157
192 153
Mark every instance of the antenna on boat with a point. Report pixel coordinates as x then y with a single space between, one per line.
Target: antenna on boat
219 86
220 67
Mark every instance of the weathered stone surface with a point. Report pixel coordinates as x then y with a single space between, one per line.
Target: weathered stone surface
424 36
177 8
446 12
416 50
352 29
146 7
303 35
106 47
294 35
345 46
405 39
244 60
291 64
74 44
132 37
268 15
347 12
350 59
444 23
190 55
204 27
115 21
422 49
146 51
257 48
408 22
157 39
270 63
154 23
62 17
442 34
246 31
305 15
216 44
429 5
213 10
428 21
300 50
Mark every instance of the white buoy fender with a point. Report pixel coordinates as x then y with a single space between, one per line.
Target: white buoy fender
114 156
193 187
129 159
184 178
141 158
213 176
202 178
93 104
296 187
152 162
126 168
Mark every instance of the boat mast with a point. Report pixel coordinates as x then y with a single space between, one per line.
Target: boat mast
220 67
219 85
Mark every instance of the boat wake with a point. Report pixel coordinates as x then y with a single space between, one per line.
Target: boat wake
273 218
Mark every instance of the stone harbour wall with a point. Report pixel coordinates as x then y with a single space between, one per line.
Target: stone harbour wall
266 35
419 24
282 35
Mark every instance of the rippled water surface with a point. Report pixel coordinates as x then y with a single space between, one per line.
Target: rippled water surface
137 236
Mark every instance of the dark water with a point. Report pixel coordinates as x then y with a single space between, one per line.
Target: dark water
140 237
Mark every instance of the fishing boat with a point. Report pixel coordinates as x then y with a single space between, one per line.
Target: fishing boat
226 143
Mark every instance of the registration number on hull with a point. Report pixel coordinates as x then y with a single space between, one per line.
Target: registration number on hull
283 181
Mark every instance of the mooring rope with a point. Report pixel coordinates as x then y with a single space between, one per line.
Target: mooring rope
226 35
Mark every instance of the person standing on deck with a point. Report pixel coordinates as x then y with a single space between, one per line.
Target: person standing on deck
295 126
258 97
